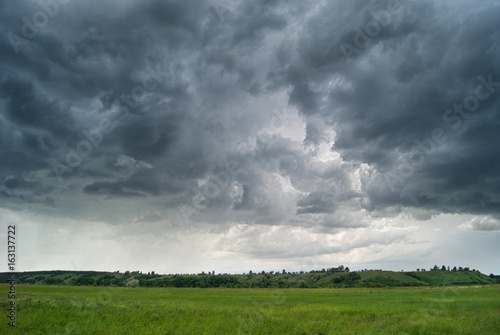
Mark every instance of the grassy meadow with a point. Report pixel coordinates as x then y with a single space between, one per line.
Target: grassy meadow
44 309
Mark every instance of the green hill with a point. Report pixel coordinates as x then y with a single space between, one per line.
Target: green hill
451 277
331 278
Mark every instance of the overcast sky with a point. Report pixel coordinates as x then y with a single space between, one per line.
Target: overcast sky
188 136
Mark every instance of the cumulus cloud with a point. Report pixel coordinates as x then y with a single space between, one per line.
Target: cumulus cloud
481 223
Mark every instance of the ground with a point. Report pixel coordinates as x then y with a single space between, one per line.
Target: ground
44 309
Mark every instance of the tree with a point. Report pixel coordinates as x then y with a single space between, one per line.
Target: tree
132 283
443 268
353 276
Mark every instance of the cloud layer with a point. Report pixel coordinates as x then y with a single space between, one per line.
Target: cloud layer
262 118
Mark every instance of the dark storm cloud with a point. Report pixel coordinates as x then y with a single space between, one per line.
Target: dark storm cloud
158 98
103 56
132 187
387 102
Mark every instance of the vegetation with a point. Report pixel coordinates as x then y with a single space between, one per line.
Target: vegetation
337 277
44 309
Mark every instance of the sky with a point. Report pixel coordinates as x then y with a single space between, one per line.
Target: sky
228 136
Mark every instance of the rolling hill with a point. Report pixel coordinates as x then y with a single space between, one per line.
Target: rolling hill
331 278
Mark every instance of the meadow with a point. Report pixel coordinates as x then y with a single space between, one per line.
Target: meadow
45 309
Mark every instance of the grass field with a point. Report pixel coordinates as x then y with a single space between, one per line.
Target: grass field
113 310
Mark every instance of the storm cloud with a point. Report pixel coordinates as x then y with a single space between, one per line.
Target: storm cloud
264 128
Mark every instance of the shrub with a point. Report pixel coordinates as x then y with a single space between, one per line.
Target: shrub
133 283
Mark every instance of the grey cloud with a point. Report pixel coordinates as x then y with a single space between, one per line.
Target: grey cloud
484 223
316 202
263 94
400 95
109 188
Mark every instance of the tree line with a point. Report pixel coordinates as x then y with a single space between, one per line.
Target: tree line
339 276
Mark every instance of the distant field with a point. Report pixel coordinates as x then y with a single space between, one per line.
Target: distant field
118 310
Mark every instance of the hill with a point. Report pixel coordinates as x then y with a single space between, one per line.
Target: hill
331 278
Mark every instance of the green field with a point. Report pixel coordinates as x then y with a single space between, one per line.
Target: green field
119 310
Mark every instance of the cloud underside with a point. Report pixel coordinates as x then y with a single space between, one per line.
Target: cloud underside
306 115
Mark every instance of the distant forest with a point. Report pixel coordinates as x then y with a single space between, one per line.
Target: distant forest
335 277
